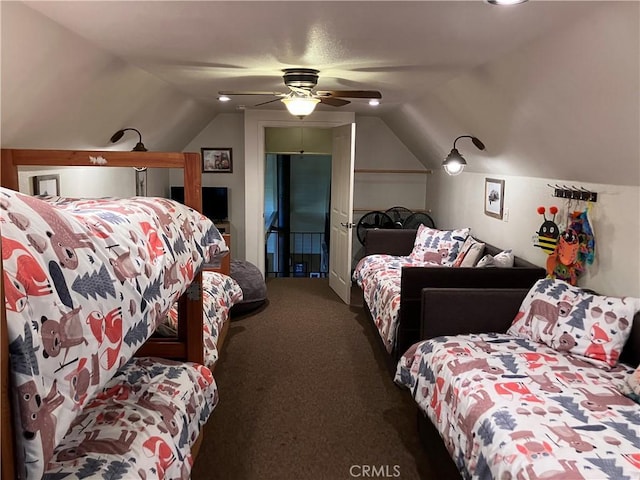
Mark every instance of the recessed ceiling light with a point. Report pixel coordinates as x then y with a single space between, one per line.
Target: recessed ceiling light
223 98
504 2
374 102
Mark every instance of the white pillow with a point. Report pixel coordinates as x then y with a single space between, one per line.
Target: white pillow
470 252
502 260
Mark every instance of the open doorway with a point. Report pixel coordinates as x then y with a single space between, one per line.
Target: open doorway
296 204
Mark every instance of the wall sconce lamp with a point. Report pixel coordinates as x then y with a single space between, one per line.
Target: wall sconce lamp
300 105
141 172
455 163
139 146
504 2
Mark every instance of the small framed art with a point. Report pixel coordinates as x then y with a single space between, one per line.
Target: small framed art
217 160
493 197
46 185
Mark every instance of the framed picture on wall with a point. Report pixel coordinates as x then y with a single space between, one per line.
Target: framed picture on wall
217 160
46 185
493 197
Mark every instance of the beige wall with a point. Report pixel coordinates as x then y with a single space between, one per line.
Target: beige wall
459 201
225 131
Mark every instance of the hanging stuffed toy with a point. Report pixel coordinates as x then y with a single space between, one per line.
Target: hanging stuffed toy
575 250
548 233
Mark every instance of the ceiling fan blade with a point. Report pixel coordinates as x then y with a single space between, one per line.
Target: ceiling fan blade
334 102
224 92
349 93
268 101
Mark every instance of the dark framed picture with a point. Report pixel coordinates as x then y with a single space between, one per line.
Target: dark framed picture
46 185
217 160
493 197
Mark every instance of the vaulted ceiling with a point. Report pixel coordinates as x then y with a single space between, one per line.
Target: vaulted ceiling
403 49
524 78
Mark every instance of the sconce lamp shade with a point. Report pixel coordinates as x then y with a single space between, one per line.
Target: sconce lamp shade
455 162
300 106
505 2
139 146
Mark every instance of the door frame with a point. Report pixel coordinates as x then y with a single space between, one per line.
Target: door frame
255 122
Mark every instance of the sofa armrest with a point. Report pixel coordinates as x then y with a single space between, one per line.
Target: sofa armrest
454 311
398 242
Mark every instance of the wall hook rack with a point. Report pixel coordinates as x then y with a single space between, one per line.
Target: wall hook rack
574 193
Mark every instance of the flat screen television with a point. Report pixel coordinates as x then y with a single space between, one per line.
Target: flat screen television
215 201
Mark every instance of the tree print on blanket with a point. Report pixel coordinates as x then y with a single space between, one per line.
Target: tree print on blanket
587 431
610 468
95 284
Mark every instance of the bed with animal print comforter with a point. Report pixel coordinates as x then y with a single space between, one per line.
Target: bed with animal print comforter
548 398
220 292
86 283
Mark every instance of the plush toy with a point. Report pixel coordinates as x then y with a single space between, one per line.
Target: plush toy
549 232
575 250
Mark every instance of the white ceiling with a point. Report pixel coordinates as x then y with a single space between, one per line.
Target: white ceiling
403 49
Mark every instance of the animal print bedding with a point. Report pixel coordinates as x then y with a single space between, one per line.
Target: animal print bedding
141 424
508 407
379 278
86 283
219 293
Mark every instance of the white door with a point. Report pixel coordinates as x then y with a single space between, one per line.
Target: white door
343 156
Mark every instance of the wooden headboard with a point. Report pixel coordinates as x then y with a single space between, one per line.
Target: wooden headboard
189 344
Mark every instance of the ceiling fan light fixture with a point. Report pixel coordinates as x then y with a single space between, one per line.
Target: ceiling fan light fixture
300 106
374 102
224 98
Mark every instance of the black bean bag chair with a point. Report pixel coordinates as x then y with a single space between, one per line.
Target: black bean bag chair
254 289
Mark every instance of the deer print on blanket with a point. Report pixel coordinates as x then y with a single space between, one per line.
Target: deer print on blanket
436 257
569 471
93 444
64 240
483 402
167 413
569 435
600 402
457 367
36 415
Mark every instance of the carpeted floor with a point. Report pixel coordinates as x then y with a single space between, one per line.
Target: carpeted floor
305 394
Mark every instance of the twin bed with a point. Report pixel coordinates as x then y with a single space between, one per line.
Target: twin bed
87 284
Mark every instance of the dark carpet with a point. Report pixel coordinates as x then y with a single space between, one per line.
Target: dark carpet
305 394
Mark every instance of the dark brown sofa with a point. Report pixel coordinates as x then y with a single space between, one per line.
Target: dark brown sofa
400 243
455 311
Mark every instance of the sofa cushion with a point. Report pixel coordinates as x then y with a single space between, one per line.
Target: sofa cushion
438 246
569 319
470 252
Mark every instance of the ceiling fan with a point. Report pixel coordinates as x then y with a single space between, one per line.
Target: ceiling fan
301 99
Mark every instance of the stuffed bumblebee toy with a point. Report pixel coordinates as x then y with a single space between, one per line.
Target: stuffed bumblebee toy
548 233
